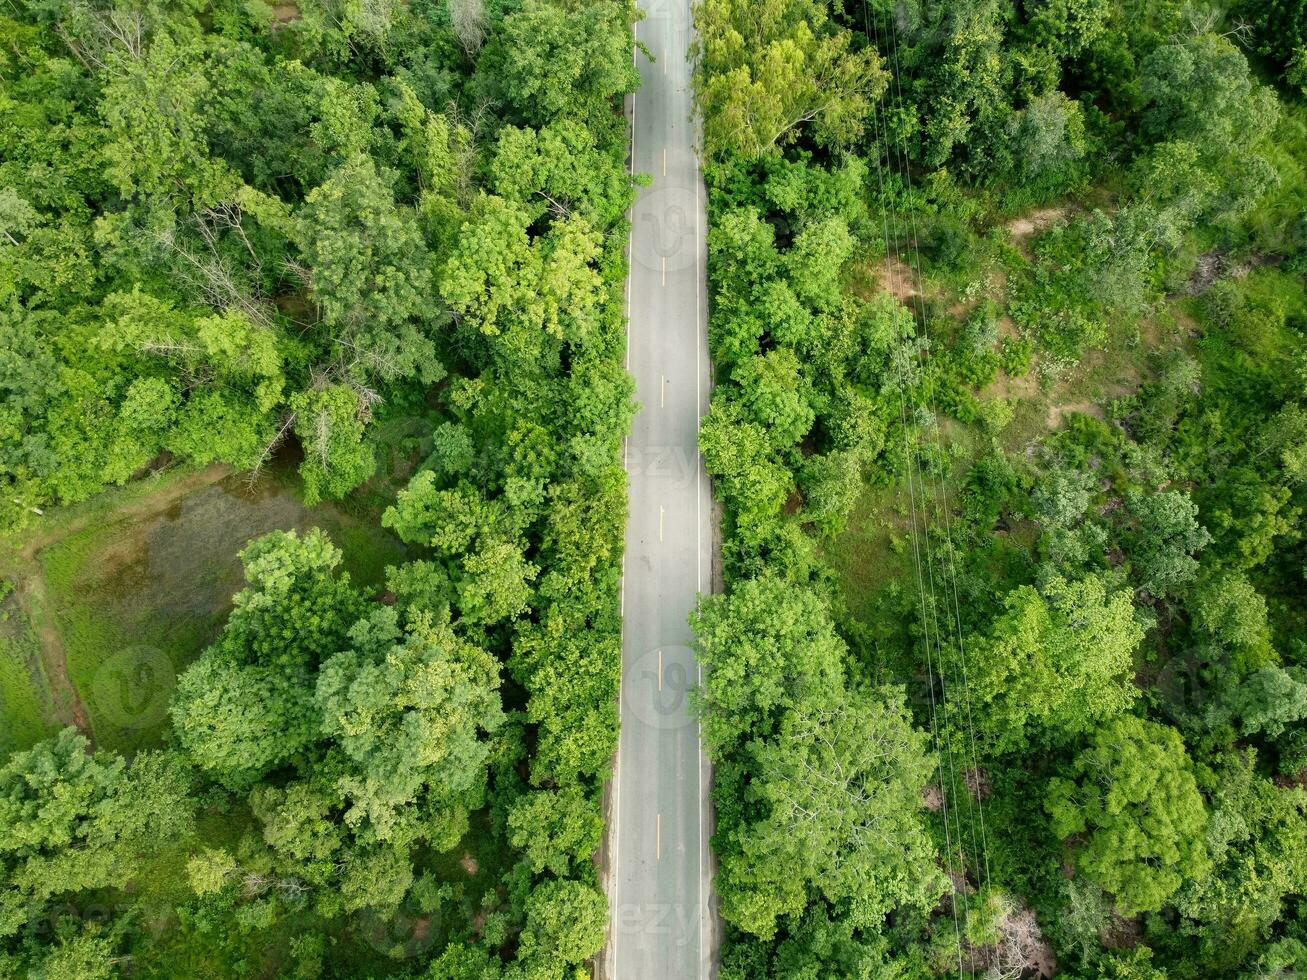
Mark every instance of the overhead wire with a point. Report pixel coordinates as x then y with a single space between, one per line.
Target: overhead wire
939 498
921 566
943 507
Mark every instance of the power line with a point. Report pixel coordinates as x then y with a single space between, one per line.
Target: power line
924 579
979 842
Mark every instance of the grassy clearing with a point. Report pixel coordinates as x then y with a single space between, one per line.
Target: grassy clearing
874 557
114 596
135 599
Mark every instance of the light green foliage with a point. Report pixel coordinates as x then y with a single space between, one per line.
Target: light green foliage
71 822
155 110
1269 700
840 789
239 721
965 83
83 957
330 423
555 829
1080 171
297 605
410 710
765 648
565 923
551 60
246 705
226 231
370 273
209 871
771 71
523 295
776 395
1164 540
561 167
1054 664
1257 839
1133 796
1230 609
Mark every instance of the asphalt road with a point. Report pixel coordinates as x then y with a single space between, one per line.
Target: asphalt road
660 874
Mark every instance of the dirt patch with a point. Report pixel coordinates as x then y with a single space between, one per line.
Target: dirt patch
67 708
284 13
1059 411
1021 950
1121 932
1012 388
897 278
469 864
1028 224
979 786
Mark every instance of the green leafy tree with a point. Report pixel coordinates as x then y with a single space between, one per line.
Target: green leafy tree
550 60
245 706
331 425
555 828
371 273
73 822
1133 797
964 97
777 395
1269 700
765 647
1163 542
566 922
1257 839
840 788
1230 609
411 710
238 721
1054 664
770 72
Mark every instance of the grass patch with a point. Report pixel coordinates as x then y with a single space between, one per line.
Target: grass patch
136 598
115 595
23 689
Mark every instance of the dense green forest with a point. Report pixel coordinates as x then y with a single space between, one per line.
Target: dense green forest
250 233
1010 426
1009 328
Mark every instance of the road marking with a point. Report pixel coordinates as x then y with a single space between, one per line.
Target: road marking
664 270
660 522
658 836
660 670
662 391
664 161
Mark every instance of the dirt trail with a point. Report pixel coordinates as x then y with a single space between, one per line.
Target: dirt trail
34 599
66 705
898 279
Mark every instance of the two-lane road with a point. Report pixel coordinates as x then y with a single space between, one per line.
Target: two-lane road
661 927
